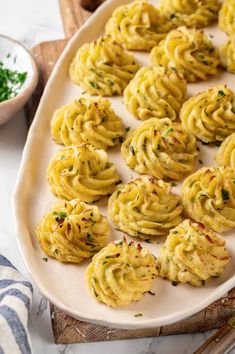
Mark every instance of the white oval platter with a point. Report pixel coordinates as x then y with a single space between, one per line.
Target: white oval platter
64 284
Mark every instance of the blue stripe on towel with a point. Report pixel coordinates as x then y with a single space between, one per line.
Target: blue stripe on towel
17 328
4 262
1 350
17 293
7 282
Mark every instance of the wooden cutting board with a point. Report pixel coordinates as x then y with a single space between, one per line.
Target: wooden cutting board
67 329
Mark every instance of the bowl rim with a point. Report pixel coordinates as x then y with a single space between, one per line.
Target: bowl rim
34 79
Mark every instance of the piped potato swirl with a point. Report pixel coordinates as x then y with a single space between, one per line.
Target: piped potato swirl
208 196
145 207
87 121
82 172
189 51
121 273
226 154
210 115
161 148
227 16
72 231
103 67
138 25
192 254
155 92
191 13
227 54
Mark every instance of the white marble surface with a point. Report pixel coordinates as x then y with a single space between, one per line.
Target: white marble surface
32 22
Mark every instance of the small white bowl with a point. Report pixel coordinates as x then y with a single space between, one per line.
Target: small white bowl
16 57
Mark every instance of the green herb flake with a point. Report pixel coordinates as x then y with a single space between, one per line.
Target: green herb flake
221 93
203 282
173 184
118 193
200 161
225 194
90 238
175 232
174 283
169 131
60 215
151 293
95 85
45 259
138 315
127 129
63 157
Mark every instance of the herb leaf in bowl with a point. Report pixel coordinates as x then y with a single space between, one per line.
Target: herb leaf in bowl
11 82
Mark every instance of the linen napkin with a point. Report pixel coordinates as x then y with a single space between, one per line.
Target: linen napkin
15 300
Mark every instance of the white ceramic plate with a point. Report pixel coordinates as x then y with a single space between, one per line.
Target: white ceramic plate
63 284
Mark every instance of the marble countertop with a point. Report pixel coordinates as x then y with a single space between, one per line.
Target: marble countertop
32 22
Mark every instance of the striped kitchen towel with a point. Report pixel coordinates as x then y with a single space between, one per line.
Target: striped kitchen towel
15 299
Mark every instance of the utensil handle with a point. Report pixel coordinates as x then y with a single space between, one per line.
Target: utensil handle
221 342
74 13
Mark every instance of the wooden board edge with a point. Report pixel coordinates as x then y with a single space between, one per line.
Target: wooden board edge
69 330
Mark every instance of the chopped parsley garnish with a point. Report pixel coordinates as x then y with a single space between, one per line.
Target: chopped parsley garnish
221 93
225 194
95 85
127 129
138 314
60 215
174 283
203 282
151 293
45 259
175 232
173 184
90 238
200 161
11 82
169 131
